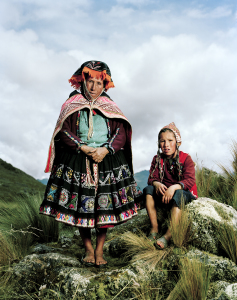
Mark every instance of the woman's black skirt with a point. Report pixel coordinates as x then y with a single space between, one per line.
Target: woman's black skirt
85 194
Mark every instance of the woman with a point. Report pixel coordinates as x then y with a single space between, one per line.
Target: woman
91 183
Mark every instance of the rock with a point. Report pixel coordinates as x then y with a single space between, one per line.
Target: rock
74 279
222 290
116 247
65 241
38 269
208 215
41 248
231 291
216 289
223 269
65 277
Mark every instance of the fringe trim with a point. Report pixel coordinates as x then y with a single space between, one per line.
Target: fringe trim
76 80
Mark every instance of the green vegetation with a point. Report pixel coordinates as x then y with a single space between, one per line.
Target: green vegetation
139 247
182 232
193 283
222 188
14 182
228 239
21 226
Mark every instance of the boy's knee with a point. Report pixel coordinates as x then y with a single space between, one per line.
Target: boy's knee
148 190
179 193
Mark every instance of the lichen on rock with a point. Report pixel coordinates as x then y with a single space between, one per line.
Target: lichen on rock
207 218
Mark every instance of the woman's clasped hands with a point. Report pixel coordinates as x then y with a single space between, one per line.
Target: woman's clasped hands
97 154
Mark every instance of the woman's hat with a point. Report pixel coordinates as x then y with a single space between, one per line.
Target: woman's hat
93 68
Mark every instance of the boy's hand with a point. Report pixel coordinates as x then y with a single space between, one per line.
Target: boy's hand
169 193
159 187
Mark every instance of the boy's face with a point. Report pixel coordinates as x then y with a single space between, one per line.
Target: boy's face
168 143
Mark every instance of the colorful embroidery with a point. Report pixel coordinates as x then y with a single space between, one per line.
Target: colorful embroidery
51 193
109 129
87 204
112 140
63 198
86 223
105 105
89 181
116 200
103 201
76 178
78 122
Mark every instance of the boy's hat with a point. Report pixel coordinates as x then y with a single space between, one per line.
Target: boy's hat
175 130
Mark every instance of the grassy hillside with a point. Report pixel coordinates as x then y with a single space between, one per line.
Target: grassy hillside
14 182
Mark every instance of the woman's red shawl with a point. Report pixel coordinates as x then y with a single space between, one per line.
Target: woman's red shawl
106 106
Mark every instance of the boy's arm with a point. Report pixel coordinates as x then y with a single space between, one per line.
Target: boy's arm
154 178
188 180
153 173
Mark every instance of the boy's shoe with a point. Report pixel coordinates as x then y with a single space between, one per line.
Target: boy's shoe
162 240
153 236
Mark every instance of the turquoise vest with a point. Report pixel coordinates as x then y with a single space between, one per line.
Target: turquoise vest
100 129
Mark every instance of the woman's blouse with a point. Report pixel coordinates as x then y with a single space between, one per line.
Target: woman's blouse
100 129
69 137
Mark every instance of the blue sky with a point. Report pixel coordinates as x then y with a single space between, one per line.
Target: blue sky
171 61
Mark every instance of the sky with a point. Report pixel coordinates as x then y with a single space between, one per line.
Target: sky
171 61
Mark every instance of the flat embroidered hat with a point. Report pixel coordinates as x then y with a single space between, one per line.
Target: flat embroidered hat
93 68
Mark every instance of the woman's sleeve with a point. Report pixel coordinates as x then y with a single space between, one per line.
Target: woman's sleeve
188 180
67 135
118 137
155 175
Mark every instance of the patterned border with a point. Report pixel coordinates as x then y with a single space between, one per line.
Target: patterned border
89 223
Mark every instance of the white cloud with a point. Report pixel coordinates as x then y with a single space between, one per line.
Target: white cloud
163 67
218 12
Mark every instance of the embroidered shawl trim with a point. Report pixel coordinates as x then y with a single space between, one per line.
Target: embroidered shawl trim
77 102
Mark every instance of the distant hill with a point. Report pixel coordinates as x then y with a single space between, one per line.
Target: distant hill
44 181
141 178
14 182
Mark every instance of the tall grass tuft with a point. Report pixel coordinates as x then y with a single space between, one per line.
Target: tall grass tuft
7 253
222 188
22 226
139 247
181 231
227 236
231 177
194 281
146 289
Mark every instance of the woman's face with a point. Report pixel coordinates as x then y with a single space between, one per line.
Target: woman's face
94 86
168 143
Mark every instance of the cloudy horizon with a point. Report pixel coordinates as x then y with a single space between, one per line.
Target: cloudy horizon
170 62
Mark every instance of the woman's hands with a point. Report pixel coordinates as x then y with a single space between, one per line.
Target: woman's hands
97 154
167 193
